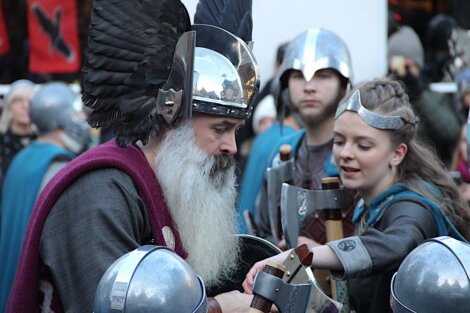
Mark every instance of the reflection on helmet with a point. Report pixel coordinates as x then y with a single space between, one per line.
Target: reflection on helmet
434 277
225 76
55 106
150 279
313 50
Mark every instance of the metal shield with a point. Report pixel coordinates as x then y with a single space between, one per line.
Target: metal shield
253 249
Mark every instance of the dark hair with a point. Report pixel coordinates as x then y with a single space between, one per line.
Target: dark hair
281 49
387 97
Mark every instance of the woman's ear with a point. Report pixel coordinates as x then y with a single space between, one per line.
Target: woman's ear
398 154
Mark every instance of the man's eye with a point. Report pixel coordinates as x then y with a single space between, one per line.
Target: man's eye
297 75
219 131
324 75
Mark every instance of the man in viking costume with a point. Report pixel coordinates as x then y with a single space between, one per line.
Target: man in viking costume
174 95
315 74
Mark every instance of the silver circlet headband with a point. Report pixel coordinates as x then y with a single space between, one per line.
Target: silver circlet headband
372 119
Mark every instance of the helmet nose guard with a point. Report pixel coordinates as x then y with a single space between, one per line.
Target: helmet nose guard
313 50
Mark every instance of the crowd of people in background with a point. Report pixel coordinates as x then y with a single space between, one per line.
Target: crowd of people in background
403 135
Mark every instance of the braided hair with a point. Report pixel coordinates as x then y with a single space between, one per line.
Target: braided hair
387 97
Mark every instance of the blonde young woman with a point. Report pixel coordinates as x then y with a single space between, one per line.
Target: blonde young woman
15 124
406 194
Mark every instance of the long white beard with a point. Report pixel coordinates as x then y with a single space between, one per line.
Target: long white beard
201 201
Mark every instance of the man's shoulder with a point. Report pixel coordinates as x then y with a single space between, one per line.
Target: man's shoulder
101 176
292 138
99 188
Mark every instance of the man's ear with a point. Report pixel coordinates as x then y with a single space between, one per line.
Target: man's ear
399 154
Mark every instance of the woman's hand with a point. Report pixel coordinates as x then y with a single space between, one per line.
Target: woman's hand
259 266
234 301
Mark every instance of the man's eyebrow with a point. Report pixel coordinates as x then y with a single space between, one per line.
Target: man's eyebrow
229 123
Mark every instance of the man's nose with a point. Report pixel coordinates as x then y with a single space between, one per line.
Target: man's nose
229 144
310 85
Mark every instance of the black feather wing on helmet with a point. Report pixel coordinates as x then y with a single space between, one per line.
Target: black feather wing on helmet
129 57
234 16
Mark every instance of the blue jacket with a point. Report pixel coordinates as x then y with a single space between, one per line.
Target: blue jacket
294 141
260 153
20 190
399 192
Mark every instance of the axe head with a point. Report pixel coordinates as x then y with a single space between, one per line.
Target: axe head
276 176
298 290
297 203
297 272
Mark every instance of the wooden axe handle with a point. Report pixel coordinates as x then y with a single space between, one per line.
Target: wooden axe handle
334 231
260 304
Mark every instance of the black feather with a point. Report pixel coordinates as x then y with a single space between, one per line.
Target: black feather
129 56
234 16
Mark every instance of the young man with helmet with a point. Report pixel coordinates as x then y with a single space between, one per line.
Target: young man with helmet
315 74
175 96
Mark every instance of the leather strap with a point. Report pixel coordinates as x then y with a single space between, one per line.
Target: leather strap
213 306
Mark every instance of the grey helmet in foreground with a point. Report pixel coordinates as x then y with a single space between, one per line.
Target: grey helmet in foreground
313 50
56 106
146 66
433 278
150 279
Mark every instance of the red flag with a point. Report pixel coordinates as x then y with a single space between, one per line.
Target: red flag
53 36
4 42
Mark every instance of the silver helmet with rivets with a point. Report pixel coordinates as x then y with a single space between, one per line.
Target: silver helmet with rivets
434 277
150 279
146 66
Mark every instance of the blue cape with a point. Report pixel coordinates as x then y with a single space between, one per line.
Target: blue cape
400 192
260 153
20 190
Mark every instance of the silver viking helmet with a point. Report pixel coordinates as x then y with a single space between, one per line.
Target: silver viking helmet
150 279
55 106
224 78
313 50
434 277
146 66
